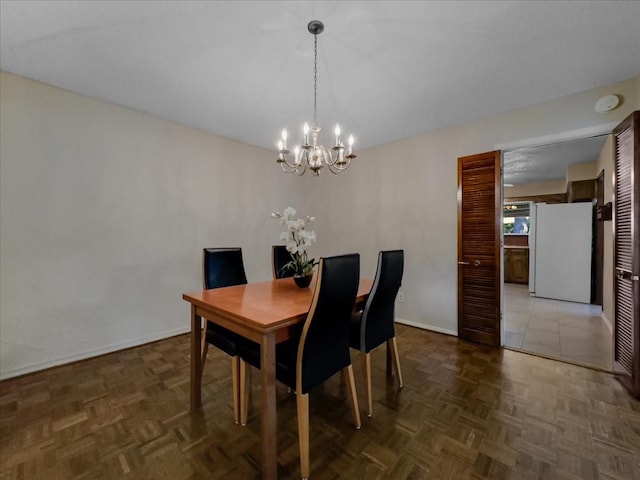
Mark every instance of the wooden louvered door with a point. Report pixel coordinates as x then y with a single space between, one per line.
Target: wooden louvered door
479 229
626 258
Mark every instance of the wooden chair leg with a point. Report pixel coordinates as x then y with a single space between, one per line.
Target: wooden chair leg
204 349
389 362
235 366
393 346
366 364
245 386
351 387
302 403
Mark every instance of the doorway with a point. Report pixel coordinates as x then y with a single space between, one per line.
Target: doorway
546 322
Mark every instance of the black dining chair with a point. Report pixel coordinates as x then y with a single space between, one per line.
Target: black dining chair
320 346
376 323
279 258
224 267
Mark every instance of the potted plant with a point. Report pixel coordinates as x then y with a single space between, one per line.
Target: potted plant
298 241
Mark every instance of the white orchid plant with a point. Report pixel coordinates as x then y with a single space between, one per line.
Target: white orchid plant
298 241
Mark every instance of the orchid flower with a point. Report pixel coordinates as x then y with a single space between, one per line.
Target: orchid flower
297 241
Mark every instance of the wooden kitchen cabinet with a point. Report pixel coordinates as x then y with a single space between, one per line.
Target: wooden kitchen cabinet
581 191
516 265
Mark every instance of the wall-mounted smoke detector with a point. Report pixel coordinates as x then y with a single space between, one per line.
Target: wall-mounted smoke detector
607 103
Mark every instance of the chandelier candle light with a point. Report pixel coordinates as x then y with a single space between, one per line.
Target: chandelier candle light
310 154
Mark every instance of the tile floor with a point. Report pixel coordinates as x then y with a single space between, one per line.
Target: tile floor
564 330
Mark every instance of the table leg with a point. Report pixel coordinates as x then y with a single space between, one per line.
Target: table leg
269 433
196 366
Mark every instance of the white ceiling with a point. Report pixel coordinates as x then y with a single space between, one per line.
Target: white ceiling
549 162
387 70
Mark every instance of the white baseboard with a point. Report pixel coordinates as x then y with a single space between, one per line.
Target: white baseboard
425 326
607 322
94 352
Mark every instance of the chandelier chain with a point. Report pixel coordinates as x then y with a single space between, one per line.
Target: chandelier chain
315 80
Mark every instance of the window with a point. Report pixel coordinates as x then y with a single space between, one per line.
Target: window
515 218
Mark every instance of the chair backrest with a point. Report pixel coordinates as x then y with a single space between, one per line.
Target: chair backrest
378 315
222 267
279 258
324 342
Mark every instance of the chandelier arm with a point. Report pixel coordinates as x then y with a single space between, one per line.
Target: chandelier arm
297 170
329 157
339 168
290 165
286 168
335 159
332 170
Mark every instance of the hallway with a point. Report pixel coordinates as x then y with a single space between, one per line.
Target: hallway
569 331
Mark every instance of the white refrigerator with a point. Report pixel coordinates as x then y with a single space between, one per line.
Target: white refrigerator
560 242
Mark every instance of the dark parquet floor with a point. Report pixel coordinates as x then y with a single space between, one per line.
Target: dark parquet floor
466 412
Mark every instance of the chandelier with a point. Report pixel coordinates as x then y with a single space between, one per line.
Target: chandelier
310 153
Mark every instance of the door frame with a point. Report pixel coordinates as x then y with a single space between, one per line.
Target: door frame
566 136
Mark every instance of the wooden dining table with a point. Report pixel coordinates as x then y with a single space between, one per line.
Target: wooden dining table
266 313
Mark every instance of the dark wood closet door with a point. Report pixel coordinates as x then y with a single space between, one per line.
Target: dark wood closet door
626 257
479 216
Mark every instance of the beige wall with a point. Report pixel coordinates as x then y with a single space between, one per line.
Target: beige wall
605 162
104 213
536 188
105 210
581 171
403 195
